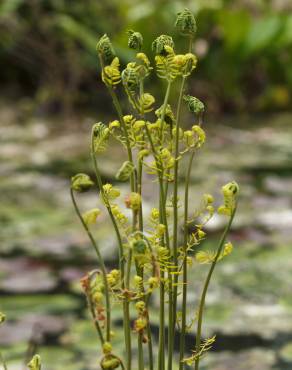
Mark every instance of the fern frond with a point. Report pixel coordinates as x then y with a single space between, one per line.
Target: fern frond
160 44
166 67
130 79
204 257
100 137
230 192
125 171
111 75
145 103
204 347
105 49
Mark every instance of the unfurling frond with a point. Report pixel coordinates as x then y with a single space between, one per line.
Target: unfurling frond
130 79
186 23
205 257
110 192
228 248
194 104
100 137
185 63
133 201
90 217
144 59
105 49
2 317
160 44
204 347
125 171
166 66
168 116
200 135
146 102
81 183
35 363
110 362
230 193
111 75
130 76
135 40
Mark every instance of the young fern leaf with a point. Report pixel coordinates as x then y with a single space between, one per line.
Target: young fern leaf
130 79
230 192
35 363
111 75
205 346
186 23
166 67
105 49
124 173
135 40
2 317
145 103
101 136
160 44
168 117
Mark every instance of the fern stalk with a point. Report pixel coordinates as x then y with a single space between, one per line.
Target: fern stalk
205 288
185 271
102 266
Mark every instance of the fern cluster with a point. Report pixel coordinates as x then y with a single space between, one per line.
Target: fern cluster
153 257
152 253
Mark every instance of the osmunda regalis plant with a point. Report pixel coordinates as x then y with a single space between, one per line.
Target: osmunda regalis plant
151 255
153 258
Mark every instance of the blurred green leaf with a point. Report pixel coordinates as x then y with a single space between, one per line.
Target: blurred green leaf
9 6
77 31
286 34
262 33
235 25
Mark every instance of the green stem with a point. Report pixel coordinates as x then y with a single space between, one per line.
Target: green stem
117 231
175 226
96 323
140 167
205 288
127 324
166 97
150 346
140 272
185 271
161 345
102 266
94 318
140 352
117 105
163 219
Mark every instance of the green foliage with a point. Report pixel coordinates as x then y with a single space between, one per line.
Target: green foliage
48 48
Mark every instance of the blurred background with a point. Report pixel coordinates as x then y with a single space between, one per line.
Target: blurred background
51 94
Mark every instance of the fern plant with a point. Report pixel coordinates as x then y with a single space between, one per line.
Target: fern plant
153 258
